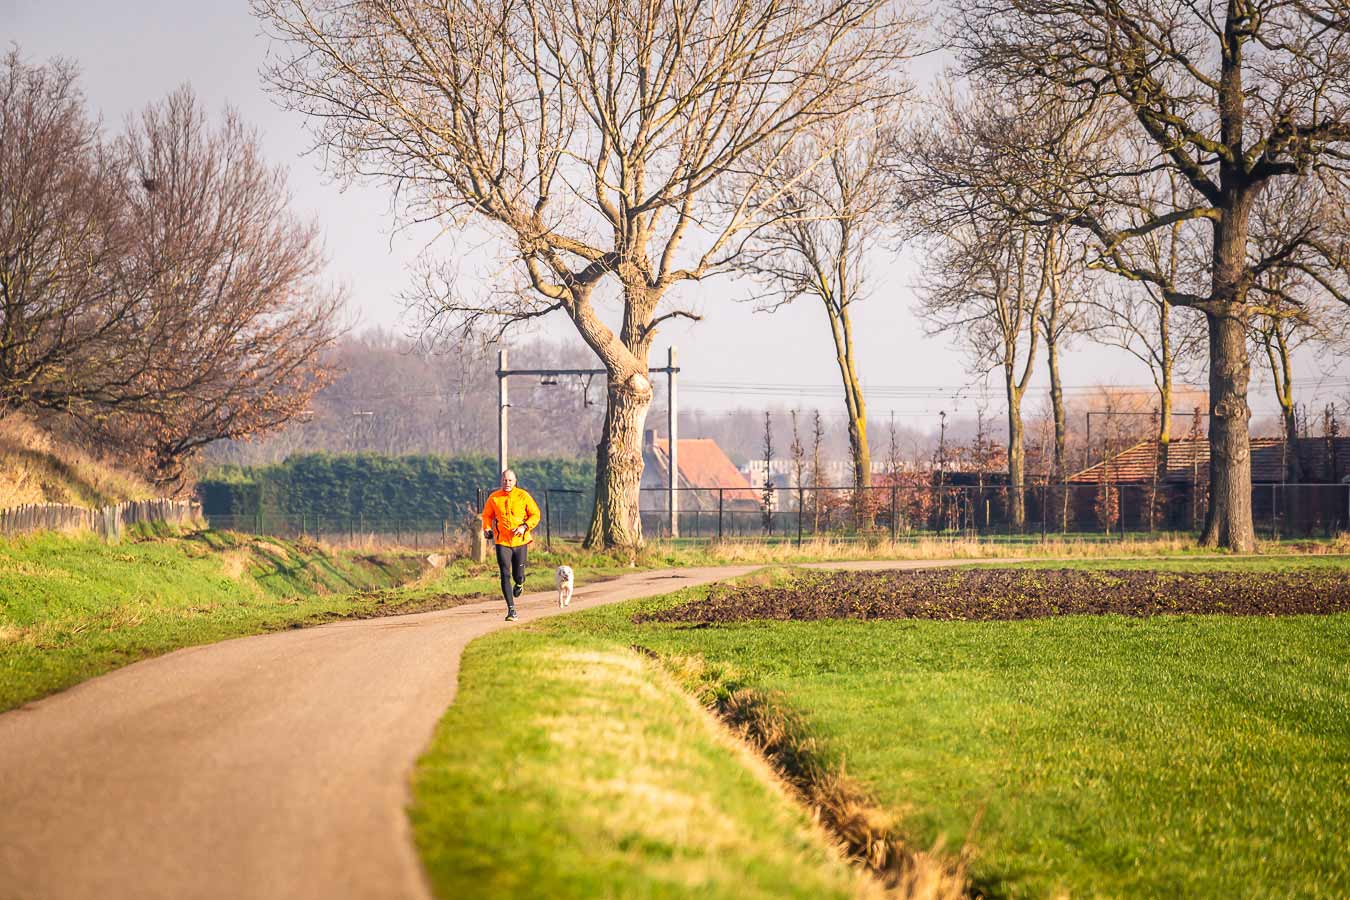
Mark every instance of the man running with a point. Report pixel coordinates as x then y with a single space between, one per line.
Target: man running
509 517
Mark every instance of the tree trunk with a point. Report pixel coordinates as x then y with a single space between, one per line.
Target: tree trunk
1293 465
616 522
1228 522
1017 509
1057 406
1282 372
860 453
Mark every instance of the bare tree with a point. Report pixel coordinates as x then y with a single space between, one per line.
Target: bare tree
766 489
998 277
67 305
1295 303
235 316
798 454
1225 97
587 136
1062 316
827 205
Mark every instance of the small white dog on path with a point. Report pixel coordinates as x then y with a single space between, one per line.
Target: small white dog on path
564 582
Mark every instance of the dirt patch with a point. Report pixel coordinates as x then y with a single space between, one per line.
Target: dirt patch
381 603
1003 594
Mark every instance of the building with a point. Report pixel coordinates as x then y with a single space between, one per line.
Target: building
706 473
1172 481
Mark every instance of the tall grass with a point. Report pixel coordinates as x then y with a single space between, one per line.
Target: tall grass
36 467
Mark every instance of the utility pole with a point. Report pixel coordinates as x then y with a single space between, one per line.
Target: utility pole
502 407
673 427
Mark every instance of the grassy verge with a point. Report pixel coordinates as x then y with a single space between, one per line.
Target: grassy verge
1170 756
788 552
75 607
572 767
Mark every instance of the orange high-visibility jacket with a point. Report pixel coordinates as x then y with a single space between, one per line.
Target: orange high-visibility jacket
504 512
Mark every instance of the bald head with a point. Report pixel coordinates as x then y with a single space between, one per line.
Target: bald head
508 480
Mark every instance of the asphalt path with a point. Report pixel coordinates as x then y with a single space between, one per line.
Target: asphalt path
274 766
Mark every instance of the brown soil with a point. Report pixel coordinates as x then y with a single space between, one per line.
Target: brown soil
1002 594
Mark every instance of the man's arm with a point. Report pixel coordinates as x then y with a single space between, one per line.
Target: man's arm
489 516
532 516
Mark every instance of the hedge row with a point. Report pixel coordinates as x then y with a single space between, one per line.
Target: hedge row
375 486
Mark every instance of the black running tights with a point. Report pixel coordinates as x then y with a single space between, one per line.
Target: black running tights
511 564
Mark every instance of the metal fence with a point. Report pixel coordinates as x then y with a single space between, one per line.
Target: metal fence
351 531
905 512
894 512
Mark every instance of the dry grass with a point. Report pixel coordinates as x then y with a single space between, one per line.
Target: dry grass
867 834
826 549
36 467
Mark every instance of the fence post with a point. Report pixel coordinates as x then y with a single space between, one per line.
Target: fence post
548 523
799 517
894 511
1045 506
719 514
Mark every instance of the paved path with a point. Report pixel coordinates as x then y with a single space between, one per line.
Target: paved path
273 766
265 767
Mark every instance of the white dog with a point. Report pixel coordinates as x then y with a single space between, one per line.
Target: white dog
564 582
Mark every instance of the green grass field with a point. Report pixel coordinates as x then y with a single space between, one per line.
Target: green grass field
75 607
1102 756
570 767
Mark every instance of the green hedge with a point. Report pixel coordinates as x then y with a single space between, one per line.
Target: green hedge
375 486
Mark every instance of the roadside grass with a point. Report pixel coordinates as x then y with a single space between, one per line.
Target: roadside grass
1263 563
1102 756
72 607
570 766
787 552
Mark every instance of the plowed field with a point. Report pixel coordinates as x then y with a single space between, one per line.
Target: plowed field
1004 594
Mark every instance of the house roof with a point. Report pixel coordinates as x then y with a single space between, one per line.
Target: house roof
1187 461
703 464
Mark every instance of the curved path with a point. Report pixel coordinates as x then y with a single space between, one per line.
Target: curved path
268 766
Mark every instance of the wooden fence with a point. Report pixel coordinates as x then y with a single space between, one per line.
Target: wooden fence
106 521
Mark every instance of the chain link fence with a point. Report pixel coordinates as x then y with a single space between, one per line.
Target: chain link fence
889 512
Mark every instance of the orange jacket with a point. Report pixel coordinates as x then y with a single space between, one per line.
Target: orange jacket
504 512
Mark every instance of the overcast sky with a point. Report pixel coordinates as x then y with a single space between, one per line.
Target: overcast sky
133 51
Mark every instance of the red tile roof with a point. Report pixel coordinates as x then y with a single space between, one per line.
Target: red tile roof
1188 460
703 464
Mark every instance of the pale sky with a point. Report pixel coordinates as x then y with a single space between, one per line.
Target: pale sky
133 51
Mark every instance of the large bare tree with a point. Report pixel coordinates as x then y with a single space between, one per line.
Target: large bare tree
986 283
1004 277
826 204
1228 96
586 136
67 305
234 316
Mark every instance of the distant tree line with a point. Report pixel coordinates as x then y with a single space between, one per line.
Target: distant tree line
376 487
396 395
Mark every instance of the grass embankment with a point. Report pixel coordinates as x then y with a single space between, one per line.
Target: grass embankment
37 467
1107 756
571 767
75 607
